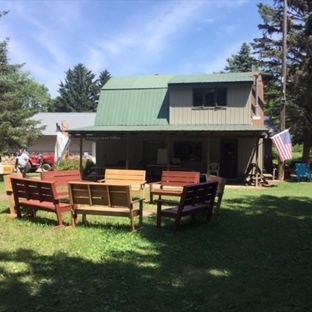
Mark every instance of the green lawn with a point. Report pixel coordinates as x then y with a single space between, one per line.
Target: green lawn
256 257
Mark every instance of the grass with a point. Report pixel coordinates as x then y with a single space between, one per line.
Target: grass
256 257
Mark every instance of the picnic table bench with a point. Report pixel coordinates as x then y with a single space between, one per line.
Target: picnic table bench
195 198
135 178
91 198
37 195
61 179
171 180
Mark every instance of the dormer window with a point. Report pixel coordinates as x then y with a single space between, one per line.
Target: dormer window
209 97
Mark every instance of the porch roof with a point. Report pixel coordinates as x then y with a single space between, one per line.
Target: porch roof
98 130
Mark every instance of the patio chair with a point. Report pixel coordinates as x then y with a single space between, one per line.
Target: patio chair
214 168
303 172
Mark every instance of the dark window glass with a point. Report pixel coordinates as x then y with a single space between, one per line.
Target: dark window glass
209 97
198 97
221 97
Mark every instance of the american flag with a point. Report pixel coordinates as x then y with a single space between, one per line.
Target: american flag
282 142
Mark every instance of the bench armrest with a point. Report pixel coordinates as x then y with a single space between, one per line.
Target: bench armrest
151 185
134 201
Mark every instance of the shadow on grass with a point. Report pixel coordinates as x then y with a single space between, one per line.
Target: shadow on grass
257 258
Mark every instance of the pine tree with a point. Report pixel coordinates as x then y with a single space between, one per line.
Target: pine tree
103 78
299 75
241 62
20 99
78 93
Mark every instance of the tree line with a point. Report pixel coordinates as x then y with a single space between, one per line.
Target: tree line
21 96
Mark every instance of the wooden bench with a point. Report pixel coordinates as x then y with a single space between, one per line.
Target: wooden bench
135 178
61 179
37 195
171 180
220 191
9 191
195 198
91 198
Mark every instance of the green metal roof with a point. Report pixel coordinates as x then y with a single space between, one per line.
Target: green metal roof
170 128
137 82
212 78
144 107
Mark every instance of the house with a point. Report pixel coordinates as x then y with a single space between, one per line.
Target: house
46 143
179 122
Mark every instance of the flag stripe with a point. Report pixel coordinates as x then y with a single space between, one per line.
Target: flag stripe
282 142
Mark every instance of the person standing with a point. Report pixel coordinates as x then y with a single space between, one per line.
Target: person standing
22 161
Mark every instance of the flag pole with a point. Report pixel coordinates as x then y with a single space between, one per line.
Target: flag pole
281 165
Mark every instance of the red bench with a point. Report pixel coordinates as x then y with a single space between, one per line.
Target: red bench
61 179
195 198
37 195
172 182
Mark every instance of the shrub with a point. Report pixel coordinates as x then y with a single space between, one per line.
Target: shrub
74 164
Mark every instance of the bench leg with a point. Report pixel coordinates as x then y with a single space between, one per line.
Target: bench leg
209 214
74 220
59 218
84 218
177 224
141 214
132 220
11 205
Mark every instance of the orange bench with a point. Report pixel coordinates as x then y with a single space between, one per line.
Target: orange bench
91 198
195 198
171 180
135 178
9 191
37 195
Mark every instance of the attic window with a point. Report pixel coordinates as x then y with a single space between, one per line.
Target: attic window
209 97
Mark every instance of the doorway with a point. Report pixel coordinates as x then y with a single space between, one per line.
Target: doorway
228 167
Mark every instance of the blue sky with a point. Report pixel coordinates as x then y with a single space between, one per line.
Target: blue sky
128 38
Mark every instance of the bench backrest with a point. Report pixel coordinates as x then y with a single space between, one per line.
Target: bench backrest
221 183
61 178
198 194
92 194
31 189
7 181
120 176
179 178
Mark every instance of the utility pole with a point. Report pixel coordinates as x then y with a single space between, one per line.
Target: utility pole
281 165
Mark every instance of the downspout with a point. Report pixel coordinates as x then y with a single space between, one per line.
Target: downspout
257 96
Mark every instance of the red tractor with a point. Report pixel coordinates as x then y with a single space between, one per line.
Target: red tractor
43 161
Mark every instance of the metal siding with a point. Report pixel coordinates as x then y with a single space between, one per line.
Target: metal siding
237 111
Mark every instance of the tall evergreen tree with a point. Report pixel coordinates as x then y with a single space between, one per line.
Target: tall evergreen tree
269 50
20 100
242 61
103 78
78 93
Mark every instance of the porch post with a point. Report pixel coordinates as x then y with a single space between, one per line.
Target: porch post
257 163
80 156
127 151
208 155
168 153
